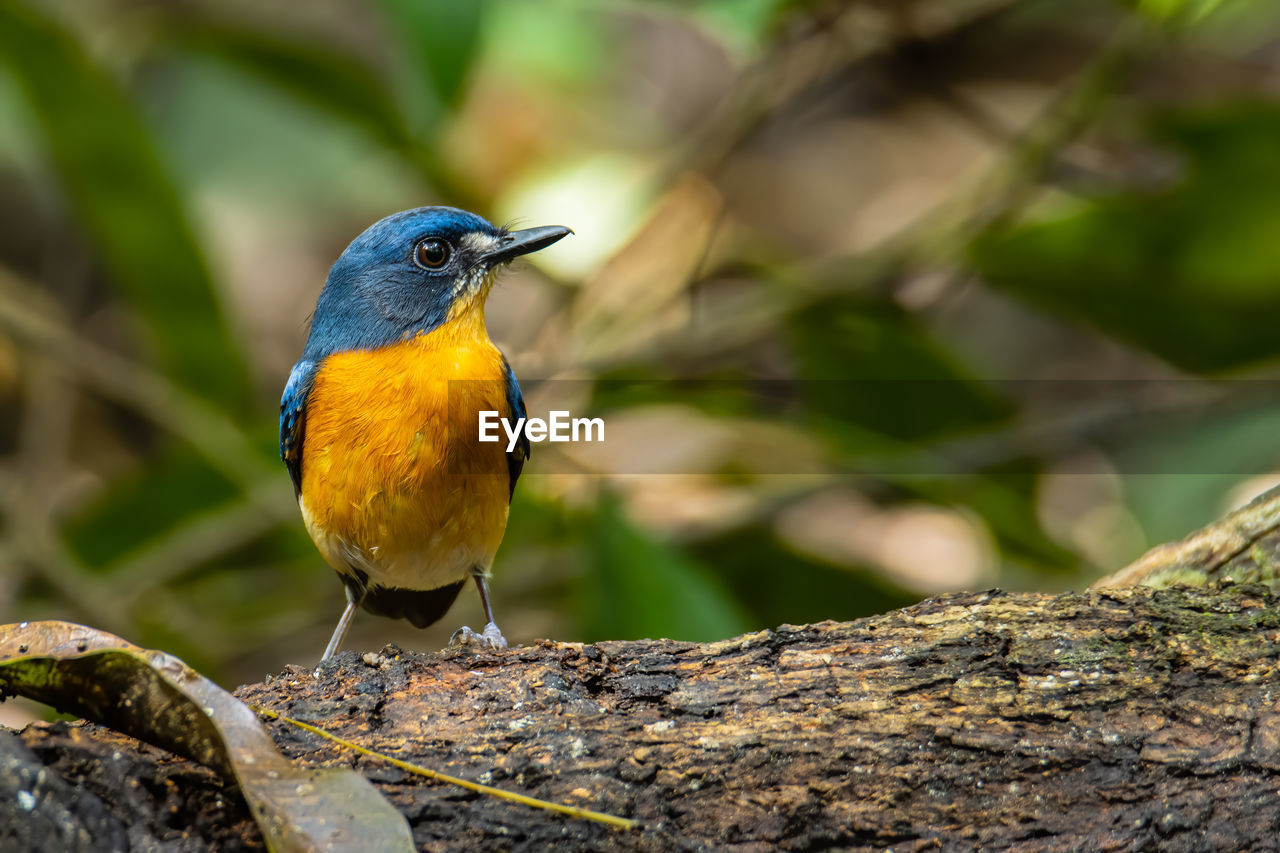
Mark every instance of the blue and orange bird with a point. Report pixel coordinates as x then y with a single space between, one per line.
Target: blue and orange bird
379 423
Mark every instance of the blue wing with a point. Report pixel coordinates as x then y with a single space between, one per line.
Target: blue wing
515 406
293 419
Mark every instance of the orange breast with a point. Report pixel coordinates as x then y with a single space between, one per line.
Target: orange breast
394 481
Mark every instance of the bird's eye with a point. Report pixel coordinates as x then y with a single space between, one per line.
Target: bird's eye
432 253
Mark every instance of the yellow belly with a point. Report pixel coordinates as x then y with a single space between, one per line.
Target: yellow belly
394 481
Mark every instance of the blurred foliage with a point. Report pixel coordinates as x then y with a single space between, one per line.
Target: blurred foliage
877 299
1194 279
639 586
106 164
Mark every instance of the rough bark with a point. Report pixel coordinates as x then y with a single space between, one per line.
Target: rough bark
1244 547
1115 719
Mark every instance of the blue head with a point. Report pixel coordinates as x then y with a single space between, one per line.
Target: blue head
409 273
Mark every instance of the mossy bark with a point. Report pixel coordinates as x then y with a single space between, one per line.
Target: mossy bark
1115 719
1124 719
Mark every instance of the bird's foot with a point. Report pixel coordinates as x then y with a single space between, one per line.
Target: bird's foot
490 638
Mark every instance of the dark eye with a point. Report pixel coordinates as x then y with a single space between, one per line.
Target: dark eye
432 253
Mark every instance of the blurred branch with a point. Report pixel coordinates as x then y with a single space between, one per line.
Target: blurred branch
36 545
939 238
28 499
45 431
200 540
1106 420
941 235
796 68
222 444
811 58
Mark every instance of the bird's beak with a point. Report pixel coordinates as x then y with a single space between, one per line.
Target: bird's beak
517 243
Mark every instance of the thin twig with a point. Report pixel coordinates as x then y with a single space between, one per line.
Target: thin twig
488 790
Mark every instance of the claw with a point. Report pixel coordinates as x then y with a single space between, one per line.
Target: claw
490 638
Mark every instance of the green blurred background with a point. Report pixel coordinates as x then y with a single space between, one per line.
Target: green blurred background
878 299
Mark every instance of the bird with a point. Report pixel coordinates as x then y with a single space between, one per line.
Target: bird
379 417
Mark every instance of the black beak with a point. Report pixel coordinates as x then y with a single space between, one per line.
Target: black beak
517 243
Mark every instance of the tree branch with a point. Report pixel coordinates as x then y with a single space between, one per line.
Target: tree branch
1112 719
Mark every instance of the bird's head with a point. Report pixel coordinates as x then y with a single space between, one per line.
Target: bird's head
412 272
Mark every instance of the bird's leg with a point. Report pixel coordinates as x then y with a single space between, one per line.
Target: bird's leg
491 632
354 598
491 636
